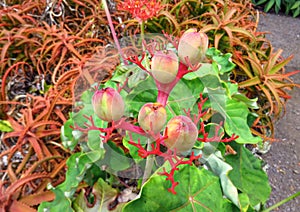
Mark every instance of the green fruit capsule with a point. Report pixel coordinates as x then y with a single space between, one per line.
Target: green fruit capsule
108 104
164 66
152 117
182 134
193 45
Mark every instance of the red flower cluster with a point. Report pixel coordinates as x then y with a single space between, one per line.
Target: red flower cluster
142 10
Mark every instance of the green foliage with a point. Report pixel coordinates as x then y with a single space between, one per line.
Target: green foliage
232 28
199 189
289 7
236 121
60 203
42 53
5 126
103 195
247 173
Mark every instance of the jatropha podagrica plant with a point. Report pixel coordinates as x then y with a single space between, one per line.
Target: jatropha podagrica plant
171 139
160 124
168 121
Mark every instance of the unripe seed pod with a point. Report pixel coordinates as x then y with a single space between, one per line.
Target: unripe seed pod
193 45
108 104
152 117
182 133
164 66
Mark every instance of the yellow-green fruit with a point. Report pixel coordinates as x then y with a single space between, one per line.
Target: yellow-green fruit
164 66
152 117
181 133
193 45
108 104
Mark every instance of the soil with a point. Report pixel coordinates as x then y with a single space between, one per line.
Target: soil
283 159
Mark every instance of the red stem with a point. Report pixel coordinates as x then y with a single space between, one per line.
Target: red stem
164 90
113 32
132 128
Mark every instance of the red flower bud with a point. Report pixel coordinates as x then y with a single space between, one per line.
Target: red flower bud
193 45
152 117
164 66
182 133
108 104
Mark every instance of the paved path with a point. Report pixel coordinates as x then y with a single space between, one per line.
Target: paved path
284 34
284 156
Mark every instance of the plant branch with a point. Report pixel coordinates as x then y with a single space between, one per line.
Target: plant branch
113 32
149 163
273 207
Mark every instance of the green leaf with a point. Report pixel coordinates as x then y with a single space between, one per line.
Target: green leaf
221 169
244 201
121 73
295 5
104 194
277 9
205 69
137 76
68 136
77 165
133 150
221 62
79 119
229 206
251 103
86 97
269 5
60 203
66 130
211 85
115 158
236 122
232 89
195 86
278 4
145 91
94 140
198 190
208 77
133 73
94 173
183 96
235 114
5 126
71 137
247 175
296 12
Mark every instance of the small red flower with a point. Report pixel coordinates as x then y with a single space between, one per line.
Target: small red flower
142 10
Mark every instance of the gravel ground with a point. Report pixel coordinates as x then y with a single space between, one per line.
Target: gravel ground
284 157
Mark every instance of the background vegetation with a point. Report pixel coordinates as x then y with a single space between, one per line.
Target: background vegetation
289 7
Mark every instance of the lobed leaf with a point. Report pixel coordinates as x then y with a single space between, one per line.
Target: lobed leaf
77 165
247 175
198 190
60 203
221 169
235 114
103 193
